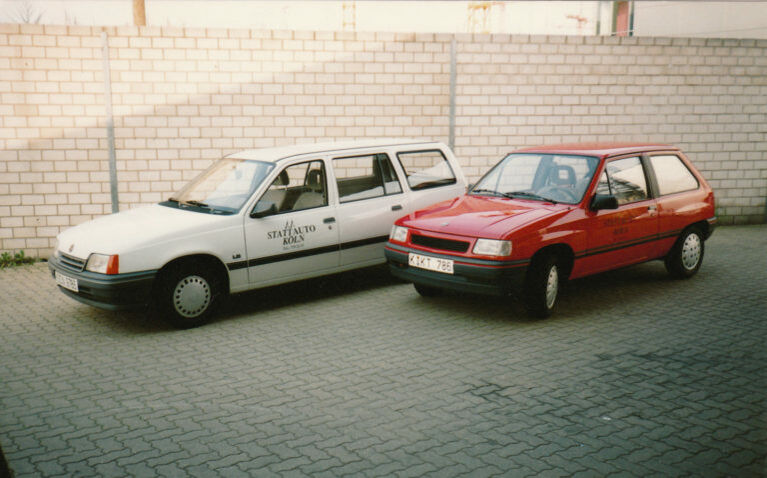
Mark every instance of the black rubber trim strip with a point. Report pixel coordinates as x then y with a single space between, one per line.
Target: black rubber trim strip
626 244
232 266
465 260
364 242
292 255
579 255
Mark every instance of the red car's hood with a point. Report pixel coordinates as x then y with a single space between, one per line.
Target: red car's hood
483 216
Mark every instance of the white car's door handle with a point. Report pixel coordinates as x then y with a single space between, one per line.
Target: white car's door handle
396 207
329 220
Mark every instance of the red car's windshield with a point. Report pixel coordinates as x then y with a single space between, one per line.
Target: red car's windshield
539 176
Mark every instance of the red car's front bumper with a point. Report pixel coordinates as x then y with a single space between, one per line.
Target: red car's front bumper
469 275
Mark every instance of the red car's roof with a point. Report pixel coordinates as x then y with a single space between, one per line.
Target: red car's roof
598 149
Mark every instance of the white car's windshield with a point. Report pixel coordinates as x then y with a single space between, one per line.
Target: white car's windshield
223 188
537 176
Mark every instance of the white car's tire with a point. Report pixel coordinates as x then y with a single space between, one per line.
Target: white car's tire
187 296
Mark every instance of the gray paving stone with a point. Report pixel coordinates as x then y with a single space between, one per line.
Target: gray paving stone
320 466
637 375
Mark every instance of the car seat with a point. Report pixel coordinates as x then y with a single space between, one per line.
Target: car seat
562 175
314 195
276 192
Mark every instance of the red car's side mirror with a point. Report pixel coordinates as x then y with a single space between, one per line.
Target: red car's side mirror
604 201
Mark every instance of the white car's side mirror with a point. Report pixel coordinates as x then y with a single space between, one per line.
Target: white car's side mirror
263 209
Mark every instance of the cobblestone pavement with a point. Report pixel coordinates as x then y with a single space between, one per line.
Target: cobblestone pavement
637 375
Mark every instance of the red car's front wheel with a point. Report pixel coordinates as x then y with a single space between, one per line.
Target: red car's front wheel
542 286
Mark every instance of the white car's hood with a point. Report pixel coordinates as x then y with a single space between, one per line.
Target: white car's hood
133 229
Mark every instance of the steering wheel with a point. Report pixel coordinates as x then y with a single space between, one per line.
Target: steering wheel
560 193
232 202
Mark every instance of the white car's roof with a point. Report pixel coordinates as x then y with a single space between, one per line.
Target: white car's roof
282 152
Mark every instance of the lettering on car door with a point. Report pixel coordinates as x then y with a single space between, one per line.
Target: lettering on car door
628 234
295 233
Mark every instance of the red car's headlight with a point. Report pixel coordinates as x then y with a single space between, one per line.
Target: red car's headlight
492 247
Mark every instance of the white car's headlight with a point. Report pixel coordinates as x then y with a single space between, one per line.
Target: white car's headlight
492 247
398 233
56 252
103 264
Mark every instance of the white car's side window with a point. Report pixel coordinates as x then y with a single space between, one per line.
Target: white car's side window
364 177
426 169
297 187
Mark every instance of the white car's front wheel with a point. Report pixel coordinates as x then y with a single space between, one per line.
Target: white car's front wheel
186 296
192 296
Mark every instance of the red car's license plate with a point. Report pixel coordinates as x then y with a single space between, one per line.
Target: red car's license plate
435 264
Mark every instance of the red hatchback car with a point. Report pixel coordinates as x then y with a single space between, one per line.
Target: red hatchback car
543 215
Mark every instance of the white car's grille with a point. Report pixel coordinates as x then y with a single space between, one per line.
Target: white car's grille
71 263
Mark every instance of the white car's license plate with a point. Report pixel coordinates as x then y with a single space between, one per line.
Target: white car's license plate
430 263
67 282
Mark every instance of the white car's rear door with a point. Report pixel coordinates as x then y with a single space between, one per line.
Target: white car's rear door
370 198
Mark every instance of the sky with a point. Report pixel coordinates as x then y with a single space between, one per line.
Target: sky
656 18
391 16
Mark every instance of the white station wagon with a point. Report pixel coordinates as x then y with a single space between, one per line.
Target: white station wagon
254 219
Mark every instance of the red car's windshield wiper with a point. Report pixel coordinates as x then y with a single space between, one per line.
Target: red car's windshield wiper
487 191
530 195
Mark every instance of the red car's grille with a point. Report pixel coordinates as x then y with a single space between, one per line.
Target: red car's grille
439 243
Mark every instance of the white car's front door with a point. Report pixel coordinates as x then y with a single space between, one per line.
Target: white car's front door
298 237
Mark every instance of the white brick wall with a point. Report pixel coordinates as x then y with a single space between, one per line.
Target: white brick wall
707 96
183 97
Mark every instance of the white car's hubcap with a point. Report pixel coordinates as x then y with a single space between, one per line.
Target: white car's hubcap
191 296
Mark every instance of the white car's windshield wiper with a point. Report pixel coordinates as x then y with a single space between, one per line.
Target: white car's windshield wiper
193 202
190 202
530 195
199 204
